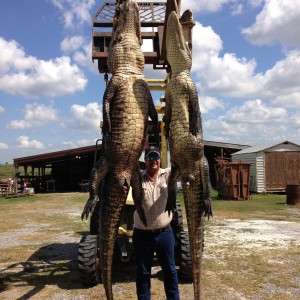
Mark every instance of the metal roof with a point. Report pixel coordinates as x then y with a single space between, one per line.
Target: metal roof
51 157
48 158
259 148
225 145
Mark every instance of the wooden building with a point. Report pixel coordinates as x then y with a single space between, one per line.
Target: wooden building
273 166
59 171
69 170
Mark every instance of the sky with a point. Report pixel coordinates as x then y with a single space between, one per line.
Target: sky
246 66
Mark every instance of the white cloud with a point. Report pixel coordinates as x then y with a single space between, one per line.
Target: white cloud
13 57
83 57
209 103
295 121
255 111
37 78
79 143
24 142
2 109
74 12
204 6
3 146
86 118
73 43
35 115
278 22
283 79
80 51
226 75
237 9
18 124
254 122
246 133
255 3
84 142
220 130
291 100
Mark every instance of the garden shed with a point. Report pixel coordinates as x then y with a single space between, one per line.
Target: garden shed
273 166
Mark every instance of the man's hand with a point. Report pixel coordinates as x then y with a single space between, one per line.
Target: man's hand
89 206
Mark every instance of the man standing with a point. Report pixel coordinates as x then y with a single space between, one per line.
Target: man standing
157 236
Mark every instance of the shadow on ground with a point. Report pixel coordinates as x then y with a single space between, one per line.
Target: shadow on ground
54 264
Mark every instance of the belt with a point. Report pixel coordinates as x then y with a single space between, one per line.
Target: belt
155 230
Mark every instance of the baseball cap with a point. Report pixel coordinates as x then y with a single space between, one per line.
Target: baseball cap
152 149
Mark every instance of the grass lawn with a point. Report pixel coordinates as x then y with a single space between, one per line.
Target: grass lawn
267 206
251 251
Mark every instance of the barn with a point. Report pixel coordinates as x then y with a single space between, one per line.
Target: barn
273 166
69 170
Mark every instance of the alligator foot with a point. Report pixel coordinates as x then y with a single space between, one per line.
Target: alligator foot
138 194
89 206
207 208
171 201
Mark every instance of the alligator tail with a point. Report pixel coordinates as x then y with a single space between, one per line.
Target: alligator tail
112 202
197 204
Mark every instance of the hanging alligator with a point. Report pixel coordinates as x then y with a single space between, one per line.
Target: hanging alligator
183 127
127 103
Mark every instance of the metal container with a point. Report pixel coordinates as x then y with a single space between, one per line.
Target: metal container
293 194
233 180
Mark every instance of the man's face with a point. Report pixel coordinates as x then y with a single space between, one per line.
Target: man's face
152 162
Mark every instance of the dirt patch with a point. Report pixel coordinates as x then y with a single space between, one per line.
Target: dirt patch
263 234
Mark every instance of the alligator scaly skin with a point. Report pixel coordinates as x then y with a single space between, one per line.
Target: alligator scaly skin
184 131
127 103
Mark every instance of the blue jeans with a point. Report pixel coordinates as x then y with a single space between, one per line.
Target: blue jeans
145 244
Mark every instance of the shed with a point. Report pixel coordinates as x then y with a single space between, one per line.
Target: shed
273 166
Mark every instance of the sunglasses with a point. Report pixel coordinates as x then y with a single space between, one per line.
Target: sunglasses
153 157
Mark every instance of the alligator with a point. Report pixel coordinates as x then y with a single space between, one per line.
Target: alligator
127 103
183 128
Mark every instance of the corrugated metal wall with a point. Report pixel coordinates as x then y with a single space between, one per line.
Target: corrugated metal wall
260 172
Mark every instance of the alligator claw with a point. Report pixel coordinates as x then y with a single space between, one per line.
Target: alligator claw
207 208
193 129
89 206
171 201
170 207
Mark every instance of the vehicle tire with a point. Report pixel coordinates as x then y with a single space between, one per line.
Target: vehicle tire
88 260
185 266
177 226
94 220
